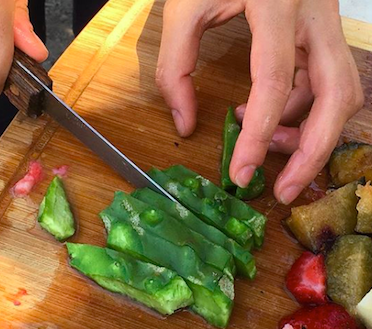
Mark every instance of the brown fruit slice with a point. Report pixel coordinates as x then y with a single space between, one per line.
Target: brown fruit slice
350 162
364 207
318 224
349 270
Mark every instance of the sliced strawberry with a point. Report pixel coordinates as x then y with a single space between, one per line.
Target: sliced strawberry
326 316
307 279
24 186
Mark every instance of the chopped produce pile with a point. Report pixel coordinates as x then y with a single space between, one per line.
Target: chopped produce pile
170 255
206 249
343 268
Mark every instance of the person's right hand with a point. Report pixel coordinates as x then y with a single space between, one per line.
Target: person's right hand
16 31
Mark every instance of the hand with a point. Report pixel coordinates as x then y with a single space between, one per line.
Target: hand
306 34
16 30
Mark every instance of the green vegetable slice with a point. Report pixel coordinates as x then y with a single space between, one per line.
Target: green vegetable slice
230 135
243 258
157 222
55 215
156 287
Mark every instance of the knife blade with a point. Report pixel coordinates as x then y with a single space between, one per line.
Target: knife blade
81 129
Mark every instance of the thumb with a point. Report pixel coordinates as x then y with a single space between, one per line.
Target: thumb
24 36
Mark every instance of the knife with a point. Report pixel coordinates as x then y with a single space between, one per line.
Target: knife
29 89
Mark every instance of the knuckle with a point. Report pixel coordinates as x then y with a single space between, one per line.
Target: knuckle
178 8
348 94
317 161
165 78
279 82
21 6
160 78
359 98
263 138
170 7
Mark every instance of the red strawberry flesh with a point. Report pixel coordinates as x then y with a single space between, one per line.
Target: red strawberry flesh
326 316
24 186
306 280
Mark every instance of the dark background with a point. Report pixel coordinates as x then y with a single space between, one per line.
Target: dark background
63 20
59 28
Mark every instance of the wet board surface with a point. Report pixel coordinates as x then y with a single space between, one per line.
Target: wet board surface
107 75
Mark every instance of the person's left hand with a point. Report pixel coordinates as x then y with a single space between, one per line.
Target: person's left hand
306 34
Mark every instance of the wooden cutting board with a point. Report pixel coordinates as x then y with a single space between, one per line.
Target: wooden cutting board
107 75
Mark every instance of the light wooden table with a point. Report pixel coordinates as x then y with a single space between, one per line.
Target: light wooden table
107 75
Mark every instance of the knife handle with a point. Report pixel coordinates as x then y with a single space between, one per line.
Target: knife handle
22 90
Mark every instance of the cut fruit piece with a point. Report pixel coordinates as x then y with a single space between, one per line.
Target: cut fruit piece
156 287
350 162
61 171
364 309
306 280
349 270
364 208
55 215
327 316
318 224
24 186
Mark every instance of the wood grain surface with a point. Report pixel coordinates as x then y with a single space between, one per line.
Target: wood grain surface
107 75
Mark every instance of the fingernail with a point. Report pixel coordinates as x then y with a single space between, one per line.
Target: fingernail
244 175
290 193
178 121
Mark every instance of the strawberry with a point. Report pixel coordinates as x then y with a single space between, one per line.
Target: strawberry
24 186
307 279
326 316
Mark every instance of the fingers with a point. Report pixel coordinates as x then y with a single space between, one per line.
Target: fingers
177 60
337 97
239 112
6 39
24 36
300 100
272 69
285 140
184 22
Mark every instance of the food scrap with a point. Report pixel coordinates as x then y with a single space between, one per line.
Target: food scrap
60 171
16 298
24 186
313 192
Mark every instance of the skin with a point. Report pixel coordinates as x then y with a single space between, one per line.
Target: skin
305 34
17 31
301 34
